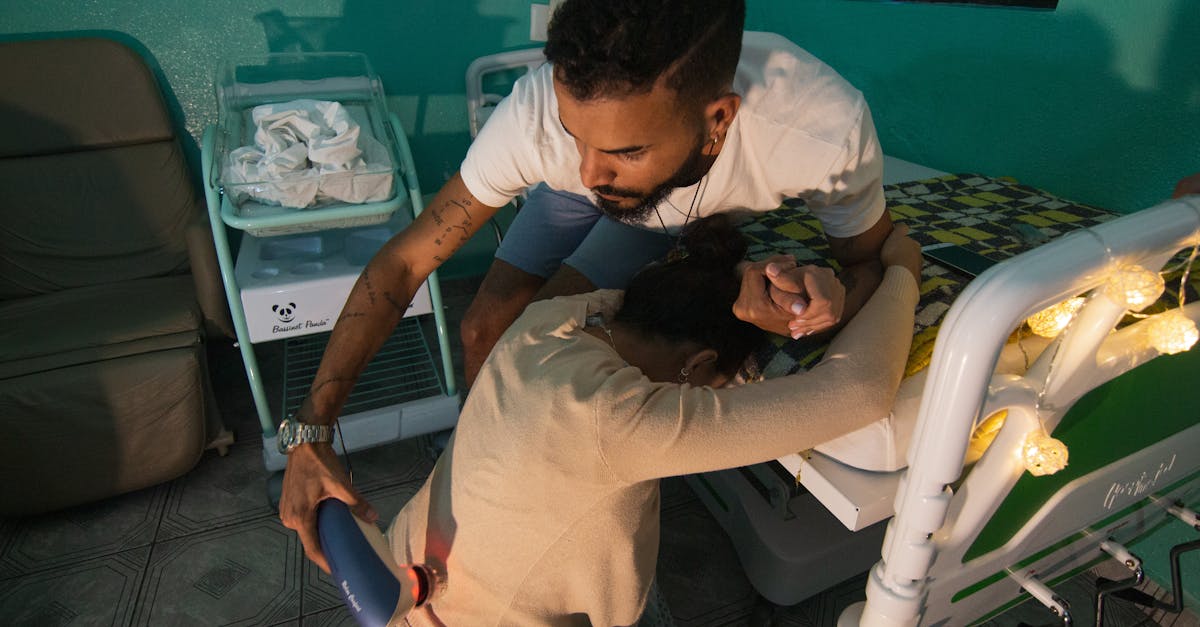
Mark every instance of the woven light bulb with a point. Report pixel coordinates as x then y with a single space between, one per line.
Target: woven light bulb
1171 332
1043 455
1051 321
1134 287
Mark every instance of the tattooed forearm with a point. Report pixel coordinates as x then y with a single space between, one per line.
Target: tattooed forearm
862 276
849 281
439 213
463 205
350 314
366 276
464 224
400 307
317 386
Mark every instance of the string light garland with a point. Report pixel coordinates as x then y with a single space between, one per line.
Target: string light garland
1051 321
1187 271
1171 332
1134 287
1042 454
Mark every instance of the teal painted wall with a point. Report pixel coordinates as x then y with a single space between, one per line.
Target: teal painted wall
420 49
1098 101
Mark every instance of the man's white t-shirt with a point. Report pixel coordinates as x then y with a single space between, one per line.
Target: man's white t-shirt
802 131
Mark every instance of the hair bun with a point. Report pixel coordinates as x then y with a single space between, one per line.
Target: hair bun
714 240
690 299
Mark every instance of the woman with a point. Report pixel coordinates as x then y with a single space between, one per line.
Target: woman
544 507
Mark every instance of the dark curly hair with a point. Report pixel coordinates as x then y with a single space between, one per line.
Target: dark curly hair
691 298
606 48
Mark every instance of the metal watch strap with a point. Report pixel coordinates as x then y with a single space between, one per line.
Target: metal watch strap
293 433
307 434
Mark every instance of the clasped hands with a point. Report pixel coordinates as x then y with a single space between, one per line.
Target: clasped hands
779 296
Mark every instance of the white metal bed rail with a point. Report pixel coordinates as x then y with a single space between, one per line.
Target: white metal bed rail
977 326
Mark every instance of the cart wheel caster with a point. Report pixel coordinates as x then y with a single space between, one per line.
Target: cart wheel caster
222 442
274 489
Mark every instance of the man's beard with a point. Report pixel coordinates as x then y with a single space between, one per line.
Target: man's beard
689 173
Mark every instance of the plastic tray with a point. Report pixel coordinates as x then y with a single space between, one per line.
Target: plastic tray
346 78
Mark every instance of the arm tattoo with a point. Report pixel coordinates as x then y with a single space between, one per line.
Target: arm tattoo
397 305
350 314
366 275
322 384
463 205
449 225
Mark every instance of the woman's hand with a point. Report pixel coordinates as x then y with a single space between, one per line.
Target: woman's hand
901 250
783 298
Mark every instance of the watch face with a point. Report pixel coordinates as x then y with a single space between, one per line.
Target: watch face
285 438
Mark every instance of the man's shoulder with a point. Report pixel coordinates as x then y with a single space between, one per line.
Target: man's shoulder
765 42
784 86
535 88
770 64
522 142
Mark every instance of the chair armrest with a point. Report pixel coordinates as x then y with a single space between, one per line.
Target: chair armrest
210 292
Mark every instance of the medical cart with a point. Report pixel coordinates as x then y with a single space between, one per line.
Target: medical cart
294 267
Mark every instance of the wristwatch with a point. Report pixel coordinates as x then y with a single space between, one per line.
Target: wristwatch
293 433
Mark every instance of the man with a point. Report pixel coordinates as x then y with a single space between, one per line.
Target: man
1187 185
648 115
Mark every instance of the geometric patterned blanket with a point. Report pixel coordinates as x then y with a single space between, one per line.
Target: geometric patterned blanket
978 212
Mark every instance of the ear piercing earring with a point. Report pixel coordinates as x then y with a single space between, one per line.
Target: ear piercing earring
684 373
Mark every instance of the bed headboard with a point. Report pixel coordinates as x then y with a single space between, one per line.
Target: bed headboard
936 525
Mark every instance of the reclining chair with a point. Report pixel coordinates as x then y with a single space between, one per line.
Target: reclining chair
105 263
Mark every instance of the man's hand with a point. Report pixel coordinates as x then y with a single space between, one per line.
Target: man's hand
780 297
1187 185
901 250
314 473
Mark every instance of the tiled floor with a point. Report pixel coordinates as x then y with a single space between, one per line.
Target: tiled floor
207 548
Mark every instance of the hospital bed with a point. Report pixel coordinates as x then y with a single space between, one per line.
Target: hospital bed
974 529
965 545
961 540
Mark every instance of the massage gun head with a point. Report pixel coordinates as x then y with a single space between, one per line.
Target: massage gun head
375 589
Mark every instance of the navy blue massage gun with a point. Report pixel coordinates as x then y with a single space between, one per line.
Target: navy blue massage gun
375 589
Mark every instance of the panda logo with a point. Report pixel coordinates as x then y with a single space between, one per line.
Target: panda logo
286 312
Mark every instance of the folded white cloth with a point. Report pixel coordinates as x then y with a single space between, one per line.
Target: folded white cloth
308 153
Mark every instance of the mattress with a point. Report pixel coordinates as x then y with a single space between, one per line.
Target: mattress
996 217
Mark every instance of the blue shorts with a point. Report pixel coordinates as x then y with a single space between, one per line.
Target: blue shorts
554 228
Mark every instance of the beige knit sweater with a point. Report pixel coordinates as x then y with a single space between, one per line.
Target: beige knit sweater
544 508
